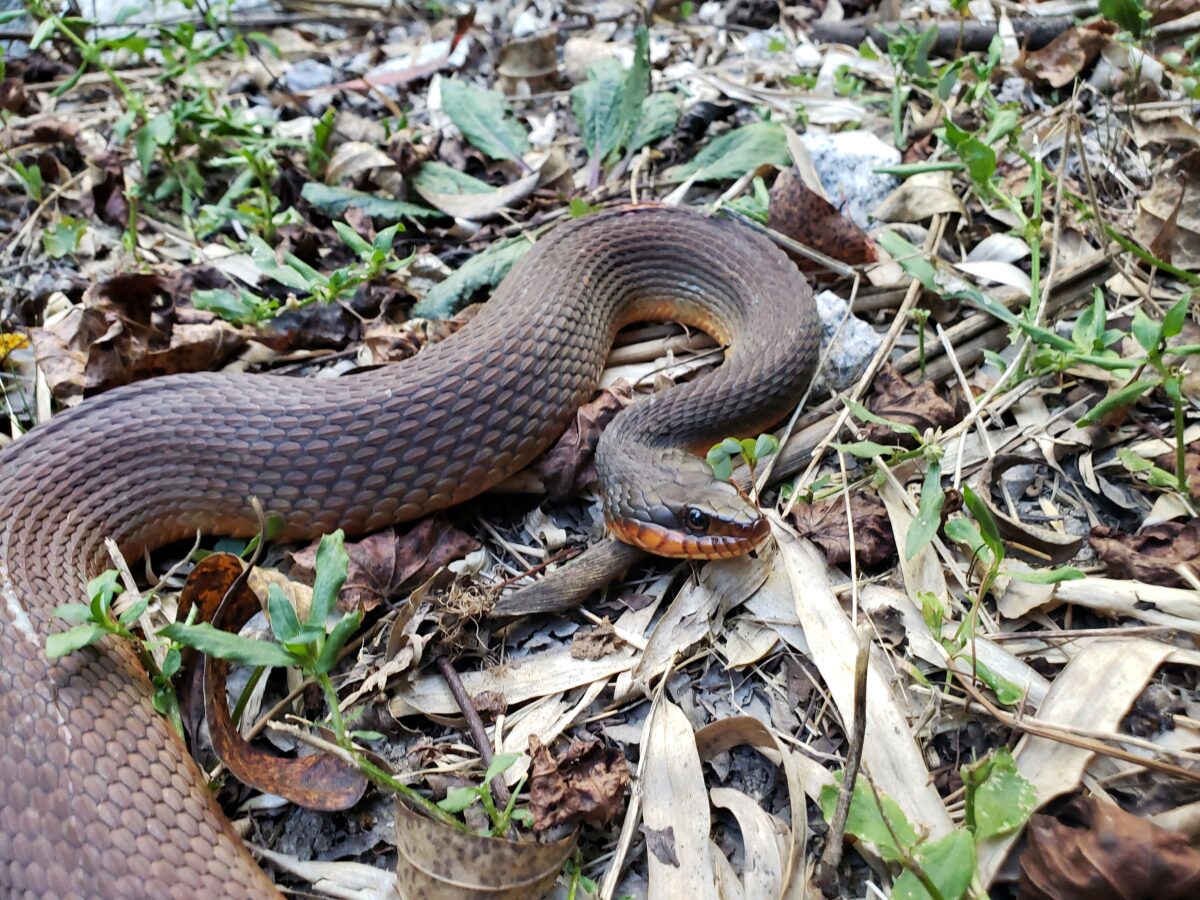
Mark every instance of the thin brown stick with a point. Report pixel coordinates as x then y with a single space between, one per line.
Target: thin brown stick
474 724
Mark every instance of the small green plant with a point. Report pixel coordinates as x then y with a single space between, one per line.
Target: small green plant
246 307
460 798
722 457
998 801
96 621
1129 15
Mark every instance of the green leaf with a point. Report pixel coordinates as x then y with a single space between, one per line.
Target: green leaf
597 104
457 799
342 632
334 201
62 238
242 308
1004 801
332 564
949 862
131 615
864 449
765 445
929 512
1146 330
863 414
962 531
1173 321
987 525
659 114
64 642
980 160
438 178
865 821
722 467
41 35
158 132
223 645
74 612
352 239
1126 13
485 119
486 269
284 623
1045 576
932 611
1007 693
735 153
101 590
264 257
1118 399
501 762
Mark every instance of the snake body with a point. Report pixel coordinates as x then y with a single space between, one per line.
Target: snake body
98 797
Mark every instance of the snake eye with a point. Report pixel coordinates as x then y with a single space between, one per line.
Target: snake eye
696 520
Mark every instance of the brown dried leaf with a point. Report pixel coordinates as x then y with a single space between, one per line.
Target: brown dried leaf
1152 554
595 643
824 523
1168 216
436 862
319 781
382 564
128 328
803 215
1097 851
586 783
567 467
1064 58
918 405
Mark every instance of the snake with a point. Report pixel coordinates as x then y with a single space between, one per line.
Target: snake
98 795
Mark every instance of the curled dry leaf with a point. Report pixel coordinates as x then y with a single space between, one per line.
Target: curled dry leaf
1062 60
919 405
798 212
1053 545
382 564
436 862
585 783
128 328
1095 850
319 781
567 467
824 523
1168 216
1152 554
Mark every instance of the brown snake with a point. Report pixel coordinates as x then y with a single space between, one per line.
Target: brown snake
98 797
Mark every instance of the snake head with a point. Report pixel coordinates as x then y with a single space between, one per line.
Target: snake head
679 510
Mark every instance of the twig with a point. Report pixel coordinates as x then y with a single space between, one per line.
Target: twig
474 724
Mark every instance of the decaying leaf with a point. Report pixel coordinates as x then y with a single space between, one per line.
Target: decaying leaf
382 564
128 328
585 783
568 466
824 523
1168 215
1062 60
439 863
803 215
1151 554
920 405
1094 850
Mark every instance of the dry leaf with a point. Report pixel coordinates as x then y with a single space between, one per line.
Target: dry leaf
918 405
1168 217
824 523
1094 850
382 564
436 862
803 215
1151 554
1062 60
567 467
585 783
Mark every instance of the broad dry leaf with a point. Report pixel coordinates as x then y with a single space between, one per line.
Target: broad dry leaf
824 523
919 198
1062 60
805 216
585 783
1093 692
1094 850
1168 217
890 753
436 862
675 814
1152 554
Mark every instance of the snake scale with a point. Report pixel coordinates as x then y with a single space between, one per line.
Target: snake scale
98 797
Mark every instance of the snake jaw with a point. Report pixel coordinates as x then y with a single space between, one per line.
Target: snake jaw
737 540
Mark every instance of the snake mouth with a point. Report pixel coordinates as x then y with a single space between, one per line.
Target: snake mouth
677 544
